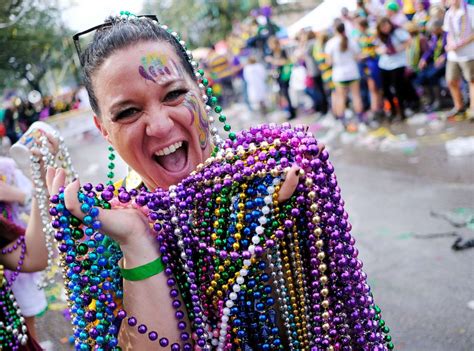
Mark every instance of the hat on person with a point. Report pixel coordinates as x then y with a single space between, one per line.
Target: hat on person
393 6
411 27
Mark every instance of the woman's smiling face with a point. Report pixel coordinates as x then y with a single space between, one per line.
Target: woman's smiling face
152 113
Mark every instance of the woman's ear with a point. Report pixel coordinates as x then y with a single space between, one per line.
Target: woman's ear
100 127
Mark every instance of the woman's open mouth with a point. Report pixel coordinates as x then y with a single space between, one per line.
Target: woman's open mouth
173 158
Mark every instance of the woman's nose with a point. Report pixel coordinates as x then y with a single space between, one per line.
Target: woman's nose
159 123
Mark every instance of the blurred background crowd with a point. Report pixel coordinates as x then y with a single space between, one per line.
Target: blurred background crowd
313 68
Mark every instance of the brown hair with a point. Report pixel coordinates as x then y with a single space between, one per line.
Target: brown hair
120 34
311 35
384 37
340 28
363 22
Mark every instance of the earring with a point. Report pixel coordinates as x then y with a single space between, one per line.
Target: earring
111 165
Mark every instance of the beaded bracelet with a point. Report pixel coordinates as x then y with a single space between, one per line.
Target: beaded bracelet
143 272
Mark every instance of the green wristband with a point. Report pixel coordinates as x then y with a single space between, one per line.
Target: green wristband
143 272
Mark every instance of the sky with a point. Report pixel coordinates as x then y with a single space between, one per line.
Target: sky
83 14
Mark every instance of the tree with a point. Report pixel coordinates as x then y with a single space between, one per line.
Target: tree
12 11
31 47
200 22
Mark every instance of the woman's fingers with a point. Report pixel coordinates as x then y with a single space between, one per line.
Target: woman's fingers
59 180
117 204
50 173
289 185
120 224
53 143
292 178
70 198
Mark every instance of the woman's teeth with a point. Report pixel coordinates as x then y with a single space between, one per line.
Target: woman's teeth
170 149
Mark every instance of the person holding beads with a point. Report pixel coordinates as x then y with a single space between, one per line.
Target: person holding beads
15 201
22 251
148 102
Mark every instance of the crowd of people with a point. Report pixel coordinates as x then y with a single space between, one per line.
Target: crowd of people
385 60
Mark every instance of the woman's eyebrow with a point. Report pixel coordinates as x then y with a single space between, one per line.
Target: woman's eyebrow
166 83
119 104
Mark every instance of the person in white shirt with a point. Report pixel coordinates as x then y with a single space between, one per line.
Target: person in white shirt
393 43
459 26
342 54
255 75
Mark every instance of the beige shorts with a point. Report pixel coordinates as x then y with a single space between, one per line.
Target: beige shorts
454 70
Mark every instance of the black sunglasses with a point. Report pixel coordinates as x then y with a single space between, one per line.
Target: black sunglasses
76 36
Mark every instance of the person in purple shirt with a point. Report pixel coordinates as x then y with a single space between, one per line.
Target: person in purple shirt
432 65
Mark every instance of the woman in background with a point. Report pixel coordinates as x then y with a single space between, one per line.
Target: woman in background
394 42
342 55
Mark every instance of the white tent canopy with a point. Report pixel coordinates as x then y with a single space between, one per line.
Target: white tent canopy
322 17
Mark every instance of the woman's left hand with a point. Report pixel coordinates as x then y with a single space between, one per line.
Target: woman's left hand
289 185
291 181
10 193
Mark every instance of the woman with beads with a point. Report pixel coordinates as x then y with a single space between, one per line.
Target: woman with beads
14 332
21 252
154 107
15 201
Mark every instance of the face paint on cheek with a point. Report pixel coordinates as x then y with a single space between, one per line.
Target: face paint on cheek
159 69
198 118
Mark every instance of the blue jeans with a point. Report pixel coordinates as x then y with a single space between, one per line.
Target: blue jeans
431 75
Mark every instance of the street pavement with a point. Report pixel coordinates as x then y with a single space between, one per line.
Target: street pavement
411 203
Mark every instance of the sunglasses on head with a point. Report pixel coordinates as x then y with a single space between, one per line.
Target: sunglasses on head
106 24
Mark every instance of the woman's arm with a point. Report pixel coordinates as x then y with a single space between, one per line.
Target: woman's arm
464 42
36 256
148 300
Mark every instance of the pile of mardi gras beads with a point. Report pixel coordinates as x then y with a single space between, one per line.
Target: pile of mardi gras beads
39 162
253 273
12 323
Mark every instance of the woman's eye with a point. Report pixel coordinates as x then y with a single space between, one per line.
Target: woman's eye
175 94
126 113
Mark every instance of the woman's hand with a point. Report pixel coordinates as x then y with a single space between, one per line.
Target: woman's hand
291 181
129 227
289 185
381 50
10 193
53 147
440 61
422 65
